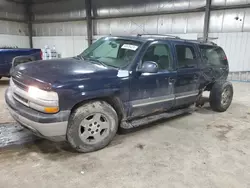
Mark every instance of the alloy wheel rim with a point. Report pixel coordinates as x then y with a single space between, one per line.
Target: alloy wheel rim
225 96
94 128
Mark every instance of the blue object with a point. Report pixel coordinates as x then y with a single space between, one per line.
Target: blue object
7 55
138 76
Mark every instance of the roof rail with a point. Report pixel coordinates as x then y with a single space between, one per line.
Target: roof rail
159 35
202 40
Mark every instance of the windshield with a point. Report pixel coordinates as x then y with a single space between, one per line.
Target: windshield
112 52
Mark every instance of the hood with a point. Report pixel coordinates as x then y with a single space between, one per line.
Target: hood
63 70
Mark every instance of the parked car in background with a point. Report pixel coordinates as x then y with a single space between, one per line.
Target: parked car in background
118 82
21 54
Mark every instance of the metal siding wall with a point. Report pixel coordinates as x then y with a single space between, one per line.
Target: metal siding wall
13 28
119 7
172 23
229 2
13 33
11 10
233 35
225 20
236 47
77 28
59 10
69 38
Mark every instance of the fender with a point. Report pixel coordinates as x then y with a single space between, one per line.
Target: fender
83 96
111 96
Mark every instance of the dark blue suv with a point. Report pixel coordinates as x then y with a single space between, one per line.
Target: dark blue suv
118 82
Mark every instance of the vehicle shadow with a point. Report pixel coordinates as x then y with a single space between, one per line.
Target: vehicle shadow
62 150
54 151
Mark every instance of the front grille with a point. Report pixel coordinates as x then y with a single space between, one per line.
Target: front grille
19 91
21 99
20 85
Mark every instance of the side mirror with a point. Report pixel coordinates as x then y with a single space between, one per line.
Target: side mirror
149 67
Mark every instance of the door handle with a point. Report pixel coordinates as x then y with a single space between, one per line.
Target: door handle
171 80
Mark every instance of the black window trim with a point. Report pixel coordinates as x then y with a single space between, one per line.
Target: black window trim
202 58
195 52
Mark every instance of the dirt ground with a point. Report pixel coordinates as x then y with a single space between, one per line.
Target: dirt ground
204 149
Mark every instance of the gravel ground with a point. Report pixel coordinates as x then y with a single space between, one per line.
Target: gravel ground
204 149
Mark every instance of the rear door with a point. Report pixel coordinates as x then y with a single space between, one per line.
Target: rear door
188 73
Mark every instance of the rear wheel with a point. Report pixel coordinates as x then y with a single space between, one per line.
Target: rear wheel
92 126
221 96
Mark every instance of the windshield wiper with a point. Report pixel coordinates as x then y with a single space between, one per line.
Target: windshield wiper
96 61
80 57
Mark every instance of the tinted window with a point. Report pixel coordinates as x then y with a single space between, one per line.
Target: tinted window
213 55
185 56
161 54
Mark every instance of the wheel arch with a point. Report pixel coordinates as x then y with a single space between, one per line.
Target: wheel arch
113 100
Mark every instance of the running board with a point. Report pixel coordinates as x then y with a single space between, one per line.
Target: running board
125 125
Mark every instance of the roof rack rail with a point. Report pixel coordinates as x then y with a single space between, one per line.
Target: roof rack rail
202 40
159 35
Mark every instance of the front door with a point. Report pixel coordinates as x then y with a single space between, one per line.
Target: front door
188 74
152 93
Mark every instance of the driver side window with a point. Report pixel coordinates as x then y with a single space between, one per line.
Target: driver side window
160 54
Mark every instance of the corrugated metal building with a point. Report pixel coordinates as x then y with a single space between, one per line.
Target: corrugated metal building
64 24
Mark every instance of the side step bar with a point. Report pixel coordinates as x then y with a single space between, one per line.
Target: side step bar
125 125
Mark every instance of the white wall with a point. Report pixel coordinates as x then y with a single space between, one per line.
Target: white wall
14 40
66 46
69 38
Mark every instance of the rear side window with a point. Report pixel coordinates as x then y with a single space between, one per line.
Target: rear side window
185 56
213 55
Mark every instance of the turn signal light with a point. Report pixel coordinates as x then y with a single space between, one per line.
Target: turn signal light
51 110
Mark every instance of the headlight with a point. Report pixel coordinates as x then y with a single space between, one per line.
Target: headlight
44 101
37 93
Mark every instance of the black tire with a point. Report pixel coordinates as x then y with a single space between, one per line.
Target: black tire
217 102
0 77
77 127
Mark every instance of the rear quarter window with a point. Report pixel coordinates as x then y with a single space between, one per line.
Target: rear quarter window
213 55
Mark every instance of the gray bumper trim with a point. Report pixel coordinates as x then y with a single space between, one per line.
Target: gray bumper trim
45 129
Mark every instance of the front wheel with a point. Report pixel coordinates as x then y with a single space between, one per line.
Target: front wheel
221 96
92 126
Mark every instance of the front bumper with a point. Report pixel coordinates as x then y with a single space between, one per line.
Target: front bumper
50 126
